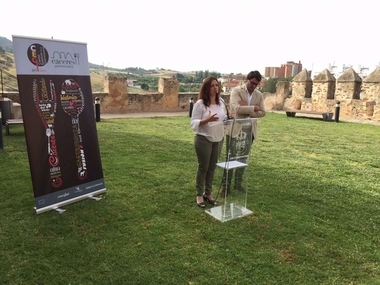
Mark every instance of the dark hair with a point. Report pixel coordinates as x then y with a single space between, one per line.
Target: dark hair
204 94
254 74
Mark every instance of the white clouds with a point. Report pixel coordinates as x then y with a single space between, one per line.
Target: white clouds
224 36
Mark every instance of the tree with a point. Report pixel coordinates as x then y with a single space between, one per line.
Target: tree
270 85
215 74
145 86
180 76
200 75
188 79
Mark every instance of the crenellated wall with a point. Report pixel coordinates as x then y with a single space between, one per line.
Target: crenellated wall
358 98
302 87
277 100
118 100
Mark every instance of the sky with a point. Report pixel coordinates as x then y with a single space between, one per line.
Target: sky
191 35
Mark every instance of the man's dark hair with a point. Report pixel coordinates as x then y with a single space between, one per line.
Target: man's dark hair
254 74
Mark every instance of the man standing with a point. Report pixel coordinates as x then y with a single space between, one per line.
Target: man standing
245 102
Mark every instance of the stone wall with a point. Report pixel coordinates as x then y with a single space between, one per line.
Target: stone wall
358 98
277 100
116 98
14 96
15 112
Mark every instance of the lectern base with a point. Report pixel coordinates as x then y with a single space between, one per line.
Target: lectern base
228 212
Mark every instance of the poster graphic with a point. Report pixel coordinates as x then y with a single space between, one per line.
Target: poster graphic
72 102
56 103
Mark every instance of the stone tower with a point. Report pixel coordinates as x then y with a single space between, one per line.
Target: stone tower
302 87
169 87
323 92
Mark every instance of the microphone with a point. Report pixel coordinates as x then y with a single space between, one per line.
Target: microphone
228 113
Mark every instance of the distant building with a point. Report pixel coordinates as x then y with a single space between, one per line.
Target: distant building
289 69
337 70
227 86
132 83
270 71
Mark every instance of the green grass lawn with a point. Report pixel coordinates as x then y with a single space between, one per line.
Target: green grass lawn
314 195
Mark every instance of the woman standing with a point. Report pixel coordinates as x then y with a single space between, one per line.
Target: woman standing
207 122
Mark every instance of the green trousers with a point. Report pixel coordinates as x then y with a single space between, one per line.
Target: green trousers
207 154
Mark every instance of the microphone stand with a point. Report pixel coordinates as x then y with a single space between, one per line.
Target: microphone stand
225 171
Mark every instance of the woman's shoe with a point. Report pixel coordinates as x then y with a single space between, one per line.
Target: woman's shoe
207 198
201 204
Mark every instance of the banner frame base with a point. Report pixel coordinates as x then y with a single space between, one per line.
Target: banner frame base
59 210
70 201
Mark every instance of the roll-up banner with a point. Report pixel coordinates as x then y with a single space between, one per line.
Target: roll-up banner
60 130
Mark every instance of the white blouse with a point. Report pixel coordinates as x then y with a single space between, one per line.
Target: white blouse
213 131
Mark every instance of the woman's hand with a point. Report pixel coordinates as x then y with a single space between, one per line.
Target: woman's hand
210 118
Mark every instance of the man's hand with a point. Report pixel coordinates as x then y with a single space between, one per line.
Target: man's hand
255 107
242 103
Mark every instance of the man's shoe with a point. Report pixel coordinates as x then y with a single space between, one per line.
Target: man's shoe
241 189
224 193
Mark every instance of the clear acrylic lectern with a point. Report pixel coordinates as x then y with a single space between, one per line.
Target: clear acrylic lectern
234 159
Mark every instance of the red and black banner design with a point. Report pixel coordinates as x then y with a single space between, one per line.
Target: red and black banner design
57 108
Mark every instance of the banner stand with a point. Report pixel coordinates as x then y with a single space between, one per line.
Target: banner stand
59 210
95 198
70 201
57 108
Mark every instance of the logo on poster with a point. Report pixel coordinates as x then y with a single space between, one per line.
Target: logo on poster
65 59
38 55
41 201
63 195
77 189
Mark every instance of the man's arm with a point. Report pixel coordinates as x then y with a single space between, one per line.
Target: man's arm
259 105
238 105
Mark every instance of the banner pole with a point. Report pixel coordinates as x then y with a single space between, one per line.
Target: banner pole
1 132
2 83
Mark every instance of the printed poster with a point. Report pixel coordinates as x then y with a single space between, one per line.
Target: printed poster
60 130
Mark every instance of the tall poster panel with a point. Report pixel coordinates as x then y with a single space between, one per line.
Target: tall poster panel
57 108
